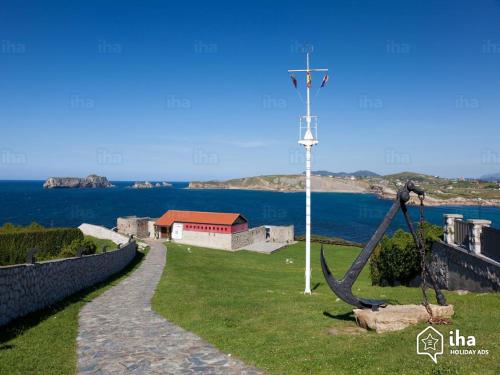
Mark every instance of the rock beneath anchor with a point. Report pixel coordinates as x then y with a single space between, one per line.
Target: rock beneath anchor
398 317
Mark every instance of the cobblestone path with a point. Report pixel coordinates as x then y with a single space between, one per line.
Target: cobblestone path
120 334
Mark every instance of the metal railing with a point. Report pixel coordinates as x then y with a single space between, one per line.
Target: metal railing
461 233
490 243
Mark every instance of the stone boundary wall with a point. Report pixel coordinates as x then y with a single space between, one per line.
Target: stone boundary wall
253 235
29 287
457 268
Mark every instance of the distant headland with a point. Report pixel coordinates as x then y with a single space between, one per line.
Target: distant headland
91 181
439 191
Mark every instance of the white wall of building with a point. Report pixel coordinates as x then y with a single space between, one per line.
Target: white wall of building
206 239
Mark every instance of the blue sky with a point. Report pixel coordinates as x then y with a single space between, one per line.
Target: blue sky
200 90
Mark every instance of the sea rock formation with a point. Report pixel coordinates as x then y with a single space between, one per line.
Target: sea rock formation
149 185
91 181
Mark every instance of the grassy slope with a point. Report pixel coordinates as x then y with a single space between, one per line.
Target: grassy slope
251 305
45 342
100 243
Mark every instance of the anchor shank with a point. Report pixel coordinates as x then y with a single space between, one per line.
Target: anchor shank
363 257
410 226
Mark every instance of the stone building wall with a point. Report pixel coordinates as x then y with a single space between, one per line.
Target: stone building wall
457 268
281 233
241 239
133 225
29 287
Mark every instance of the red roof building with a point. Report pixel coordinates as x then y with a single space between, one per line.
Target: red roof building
174 222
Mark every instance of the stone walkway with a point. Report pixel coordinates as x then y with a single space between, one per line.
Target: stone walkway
120 334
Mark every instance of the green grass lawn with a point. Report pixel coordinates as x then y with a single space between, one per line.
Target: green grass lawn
252 306
45 342
100 243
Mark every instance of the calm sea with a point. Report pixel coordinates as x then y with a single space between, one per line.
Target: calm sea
350 216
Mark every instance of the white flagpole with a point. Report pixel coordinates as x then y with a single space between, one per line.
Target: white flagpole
308 139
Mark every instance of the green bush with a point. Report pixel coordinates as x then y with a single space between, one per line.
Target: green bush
396 260
15 242
9 227
71 250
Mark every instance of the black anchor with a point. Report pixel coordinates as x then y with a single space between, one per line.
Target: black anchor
343 288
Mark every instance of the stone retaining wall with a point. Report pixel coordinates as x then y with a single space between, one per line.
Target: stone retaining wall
26 288
457 268
248 237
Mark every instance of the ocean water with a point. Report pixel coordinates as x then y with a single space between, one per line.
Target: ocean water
351 216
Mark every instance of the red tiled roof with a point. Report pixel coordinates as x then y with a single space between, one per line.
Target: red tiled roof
198 217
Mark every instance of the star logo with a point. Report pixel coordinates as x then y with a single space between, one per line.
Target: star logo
430 342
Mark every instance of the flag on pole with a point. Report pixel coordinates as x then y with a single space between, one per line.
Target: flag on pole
325 80
294 80
308 79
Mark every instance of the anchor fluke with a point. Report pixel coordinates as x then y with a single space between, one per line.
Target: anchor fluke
343 290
